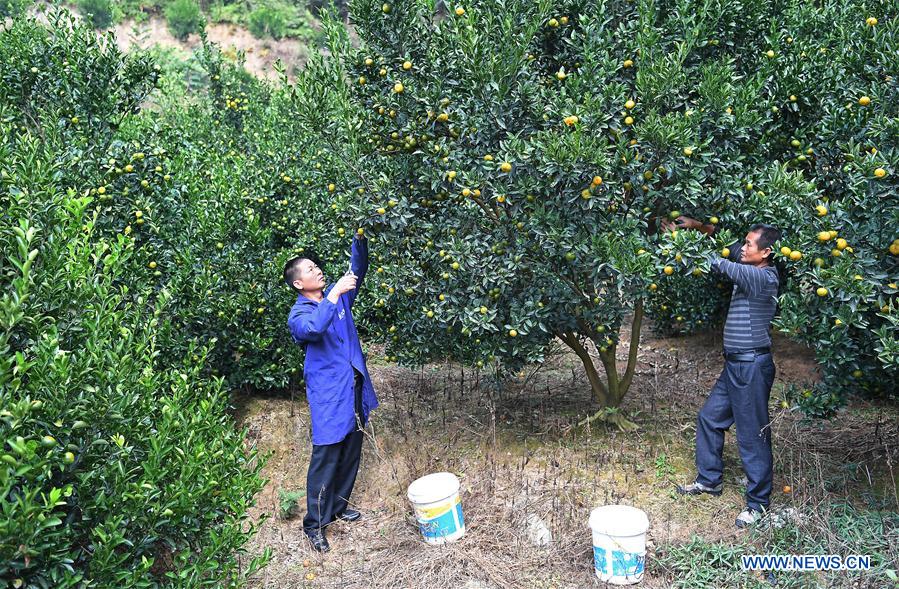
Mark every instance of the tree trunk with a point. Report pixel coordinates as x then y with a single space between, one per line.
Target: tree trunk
600 392
609 392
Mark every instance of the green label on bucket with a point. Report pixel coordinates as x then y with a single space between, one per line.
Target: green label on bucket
622 564
444 524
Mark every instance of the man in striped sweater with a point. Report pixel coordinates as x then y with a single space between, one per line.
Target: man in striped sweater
742 391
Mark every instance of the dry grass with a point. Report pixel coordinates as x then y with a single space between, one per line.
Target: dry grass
517 451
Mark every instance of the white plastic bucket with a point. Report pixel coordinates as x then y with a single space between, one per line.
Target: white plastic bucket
435 498
619 543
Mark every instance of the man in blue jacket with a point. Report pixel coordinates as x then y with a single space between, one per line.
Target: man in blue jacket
338 386
742 392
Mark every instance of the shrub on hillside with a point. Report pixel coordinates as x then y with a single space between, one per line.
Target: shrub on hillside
183 17
12 7
97 12
268 21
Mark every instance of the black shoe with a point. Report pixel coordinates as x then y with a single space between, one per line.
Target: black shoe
349 515
318 540
699 489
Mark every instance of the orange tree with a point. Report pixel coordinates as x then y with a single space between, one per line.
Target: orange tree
216 188
116 468
521 155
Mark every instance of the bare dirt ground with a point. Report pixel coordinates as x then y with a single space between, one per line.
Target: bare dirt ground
518 451
260 54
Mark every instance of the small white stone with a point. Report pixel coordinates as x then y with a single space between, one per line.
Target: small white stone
538 533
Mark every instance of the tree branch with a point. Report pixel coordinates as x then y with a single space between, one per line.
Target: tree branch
636 324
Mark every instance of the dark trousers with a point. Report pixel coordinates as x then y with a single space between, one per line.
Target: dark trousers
332 473
739 396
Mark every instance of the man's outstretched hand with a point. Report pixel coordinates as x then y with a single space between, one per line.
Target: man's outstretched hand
681 222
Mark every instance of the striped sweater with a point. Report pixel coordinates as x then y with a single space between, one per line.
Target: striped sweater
752 305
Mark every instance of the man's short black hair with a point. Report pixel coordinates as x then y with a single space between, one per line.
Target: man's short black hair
768 236
292 271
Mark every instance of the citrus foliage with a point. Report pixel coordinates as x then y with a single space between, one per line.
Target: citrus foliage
521 156
117 469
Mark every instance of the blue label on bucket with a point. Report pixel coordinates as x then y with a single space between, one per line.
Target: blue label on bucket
623 564
599 559
444 524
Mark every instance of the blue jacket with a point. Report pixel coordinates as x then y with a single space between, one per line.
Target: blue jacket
328 335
